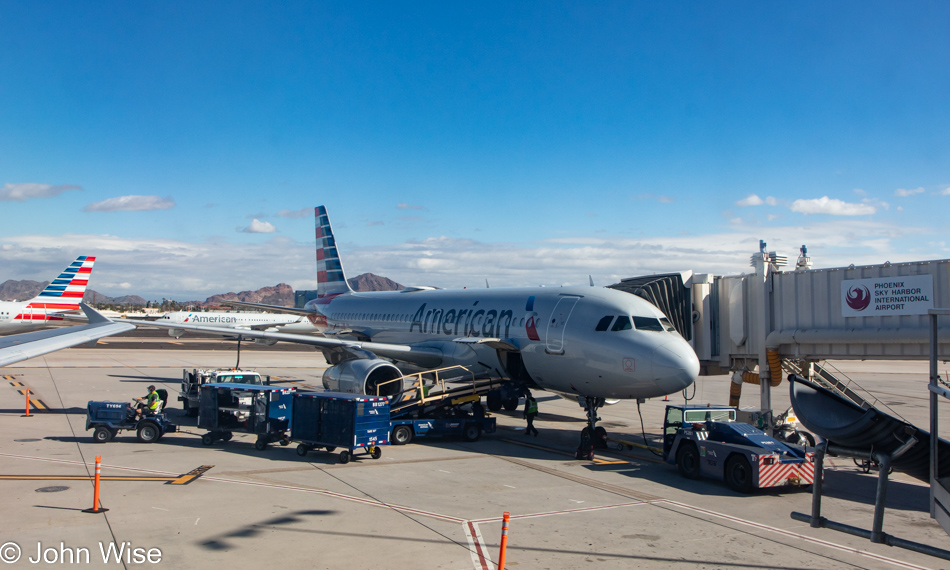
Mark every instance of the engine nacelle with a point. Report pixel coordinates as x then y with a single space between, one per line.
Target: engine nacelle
265 341
364 376
176 332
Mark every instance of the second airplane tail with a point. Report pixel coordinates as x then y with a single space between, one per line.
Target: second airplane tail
64 293
330 277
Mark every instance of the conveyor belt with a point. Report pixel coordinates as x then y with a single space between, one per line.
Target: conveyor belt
844 423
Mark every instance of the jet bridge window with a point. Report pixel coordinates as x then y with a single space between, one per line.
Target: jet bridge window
604 323
647 324
622 324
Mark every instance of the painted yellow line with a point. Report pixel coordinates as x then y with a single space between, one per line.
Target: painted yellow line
80 478
14 384
182 479
38 404
602 462
23 392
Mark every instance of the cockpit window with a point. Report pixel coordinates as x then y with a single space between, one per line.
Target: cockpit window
622 324
604 323
647 324
667 324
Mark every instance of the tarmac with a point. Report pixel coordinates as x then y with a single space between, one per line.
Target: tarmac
436 503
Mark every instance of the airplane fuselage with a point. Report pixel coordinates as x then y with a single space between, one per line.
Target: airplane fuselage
240 320
550 334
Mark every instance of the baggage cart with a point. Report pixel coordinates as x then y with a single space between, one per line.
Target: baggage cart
245 408
336 420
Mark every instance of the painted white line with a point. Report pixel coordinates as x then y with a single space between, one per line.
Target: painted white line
196 521
159 509
444 471
511 486
791 534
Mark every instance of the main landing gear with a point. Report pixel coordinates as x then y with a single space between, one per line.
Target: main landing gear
593 435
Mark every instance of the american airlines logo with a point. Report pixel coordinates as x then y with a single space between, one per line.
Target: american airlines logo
470 321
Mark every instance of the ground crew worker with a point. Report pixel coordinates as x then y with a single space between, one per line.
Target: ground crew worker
149 403
530 411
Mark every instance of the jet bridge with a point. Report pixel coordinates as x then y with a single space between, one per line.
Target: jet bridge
754 324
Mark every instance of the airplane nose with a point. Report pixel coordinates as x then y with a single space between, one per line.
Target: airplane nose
675 366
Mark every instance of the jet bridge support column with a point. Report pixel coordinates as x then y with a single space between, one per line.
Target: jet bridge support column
760 301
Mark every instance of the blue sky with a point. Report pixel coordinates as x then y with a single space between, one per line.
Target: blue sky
186 143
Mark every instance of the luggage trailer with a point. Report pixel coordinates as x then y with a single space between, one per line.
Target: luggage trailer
334 420
245 408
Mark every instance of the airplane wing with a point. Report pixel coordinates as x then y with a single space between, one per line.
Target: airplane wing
17 347
273 308
426 356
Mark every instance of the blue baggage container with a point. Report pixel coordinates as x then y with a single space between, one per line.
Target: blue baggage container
225 408
335 419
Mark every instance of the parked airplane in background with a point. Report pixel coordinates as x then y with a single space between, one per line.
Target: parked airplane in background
284 322
62 295
593 344
17 347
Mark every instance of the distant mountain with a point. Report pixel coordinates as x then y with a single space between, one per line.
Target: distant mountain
282 294
370 282
25 290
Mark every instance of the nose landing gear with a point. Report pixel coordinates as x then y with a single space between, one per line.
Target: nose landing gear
593 435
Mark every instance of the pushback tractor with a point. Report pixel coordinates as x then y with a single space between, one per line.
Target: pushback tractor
707 441
109 418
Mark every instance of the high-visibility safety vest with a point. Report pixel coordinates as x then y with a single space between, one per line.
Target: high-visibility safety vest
153 400
532 406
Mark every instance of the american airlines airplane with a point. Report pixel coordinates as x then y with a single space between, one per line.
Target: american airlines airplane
63 294
17 347
592 344
284 322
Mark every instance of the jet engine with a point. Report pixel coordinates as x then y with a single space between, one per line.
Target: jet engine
265 341
363 376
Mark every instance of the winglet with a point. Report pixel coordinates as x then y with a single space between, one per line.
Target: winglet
93 315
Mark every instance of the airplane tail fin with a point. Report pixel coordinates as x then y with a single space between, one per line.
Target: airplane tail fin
330 277
64 293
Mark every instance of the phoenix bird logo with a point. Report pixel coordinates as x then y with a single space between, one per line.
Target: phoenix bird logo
858 297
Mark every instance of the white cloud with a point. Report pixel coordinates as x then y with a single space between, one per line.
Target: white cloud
258 227
860 192
302 213
23 192
831 206
750 200
945 191
174 269
405 206
903 192
131 204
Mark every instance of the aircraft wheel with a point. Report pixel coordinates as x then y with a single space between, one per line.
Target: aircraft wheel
600 438
739 474
510 404
493 400
402 435
345 456
687 460
102 434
